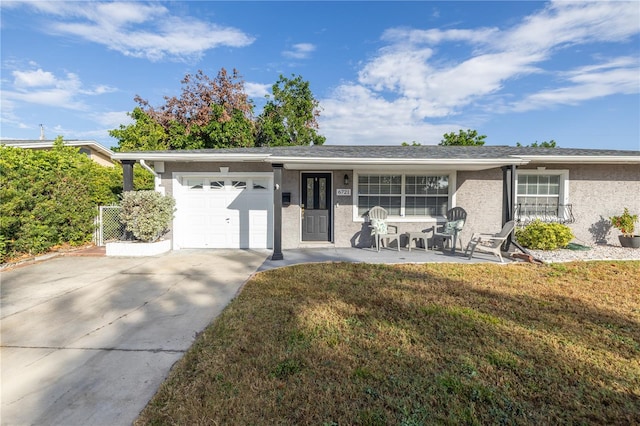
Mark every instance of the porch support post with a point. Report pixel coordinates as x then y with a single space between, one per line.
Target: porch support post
508 192
127 175
508 198
277 212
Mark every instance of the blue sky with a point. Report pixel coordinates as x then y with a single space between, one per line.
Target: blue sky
384 72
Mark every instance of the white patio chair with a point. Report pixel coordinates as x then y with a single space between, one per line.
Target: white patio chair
380 229
490 243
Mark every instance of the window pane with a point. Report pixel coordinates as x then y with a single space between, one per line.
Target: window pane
259 184
322 203
310 205
216 184
554 185
194 183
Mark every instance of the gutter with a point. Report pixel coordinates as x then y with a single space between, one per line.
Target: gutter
405 162
572 159
188 157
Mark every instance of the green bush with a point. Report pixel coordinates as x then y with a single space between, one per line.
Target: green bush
49 198
146 214
544 236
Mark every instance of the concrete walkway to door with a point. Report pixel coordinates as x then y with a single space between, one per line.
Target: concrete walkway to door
88 340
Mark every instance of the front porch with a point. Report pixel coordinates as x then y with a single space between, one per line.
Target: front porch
370 255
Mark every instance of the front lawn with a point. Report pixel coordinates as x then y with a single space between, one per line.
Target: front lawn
343 344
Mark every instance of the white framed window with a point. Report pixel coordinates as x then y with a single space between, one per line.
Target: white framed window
542 194
412 196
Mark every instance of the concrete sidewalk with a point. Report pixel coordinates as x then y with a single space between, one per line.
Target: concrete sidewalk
88 340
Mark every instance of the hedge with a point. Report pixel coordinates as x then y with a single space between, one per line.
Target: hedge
49 198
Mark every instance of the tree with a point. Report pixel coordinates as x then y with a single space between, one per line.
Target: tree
218 114
144 134
290 116
414 143
463 138
210 113
543 144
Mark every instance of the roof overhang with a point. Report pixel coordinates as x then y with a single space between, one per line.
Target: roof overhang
305 163
189 157
377 163
582 159
327 163
49 144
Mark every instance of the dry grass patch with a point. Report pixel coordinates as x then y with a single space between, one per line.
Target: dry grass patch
342 344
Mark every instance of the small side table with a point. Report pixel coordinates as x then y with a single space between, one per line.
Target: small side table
416 236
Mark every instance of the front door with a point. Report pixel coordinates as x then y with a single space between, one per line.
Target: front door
316 206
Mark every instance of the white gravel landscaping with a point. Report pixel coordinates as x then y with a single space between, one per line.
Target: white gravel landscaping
596 252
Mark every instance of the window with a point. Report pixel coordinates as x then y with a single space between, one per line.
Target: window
239 184
380 190
216 185
404 195
542 195
260 184
426 195
194 184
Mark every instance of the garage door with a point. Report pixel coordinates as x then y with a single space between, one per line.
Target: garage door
224 211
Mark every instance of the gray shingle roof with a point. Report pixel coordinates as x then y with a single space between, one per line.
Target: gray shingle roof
411 152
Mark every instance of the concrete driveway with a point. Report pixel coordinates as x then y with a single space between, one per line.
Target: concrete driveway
88 340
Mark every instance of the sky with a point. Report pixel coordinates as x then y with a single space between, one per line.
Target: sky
383 72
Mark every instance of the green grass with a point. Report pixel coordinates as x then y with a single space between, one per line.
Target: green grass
343 344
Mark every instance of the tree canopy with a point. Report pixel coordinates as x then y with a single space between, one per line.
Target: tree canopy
463 138
543 144
290 117
217 113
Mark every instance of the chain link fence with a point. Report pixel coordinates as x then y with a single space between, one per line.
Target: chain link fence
109 227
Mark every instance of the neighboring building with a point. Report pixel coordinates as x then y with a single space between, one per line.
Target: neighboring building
92 149
295 197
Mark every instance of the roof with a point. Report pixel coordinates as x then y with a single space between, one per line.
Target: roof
48 143
459 157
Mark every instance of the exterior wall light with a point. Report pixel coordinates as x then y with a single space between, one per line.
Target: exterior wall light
346 180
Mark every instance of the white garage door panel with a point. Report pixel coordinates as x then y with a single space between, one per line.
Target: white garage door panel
228 217
258 223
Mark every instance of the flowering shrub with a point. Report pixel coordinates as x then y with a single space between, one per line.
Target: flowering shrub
147 214
625 222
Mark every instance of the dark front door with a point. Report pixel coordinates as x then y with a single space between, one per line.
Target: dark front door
316 207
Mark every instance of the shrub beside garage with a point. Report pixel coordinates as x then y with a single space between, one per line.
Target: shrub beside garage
49 198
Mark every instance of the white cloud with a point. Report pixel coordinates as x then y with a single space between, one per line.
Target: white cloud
113 119
140 30
257 90
618 76
355 115
565 23
44 88
33 78
300 51
411 80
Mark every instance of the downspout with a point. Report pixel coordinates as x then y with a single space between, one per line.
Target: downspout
157 181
